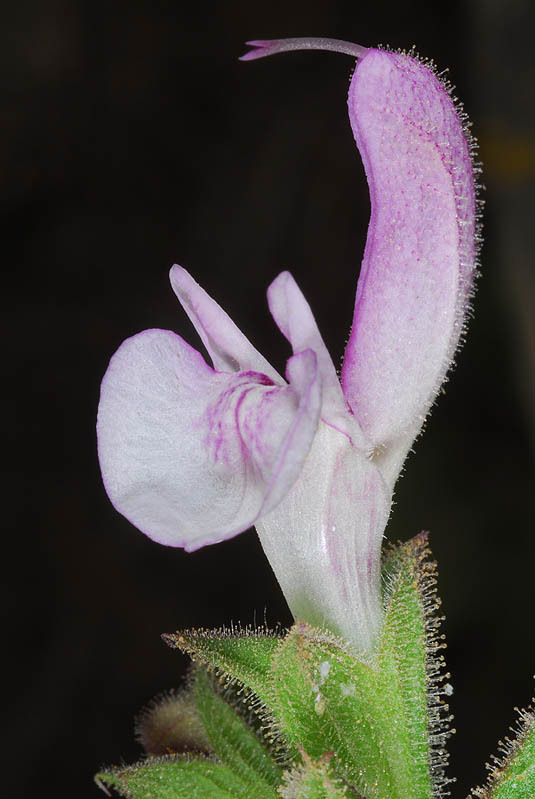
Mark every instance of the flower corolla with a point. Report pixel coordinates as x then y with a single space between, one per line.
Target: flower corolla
193 453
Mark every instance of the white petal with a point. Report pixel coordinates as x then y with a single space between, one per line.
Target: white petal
295 320
228 348
324 540
192 456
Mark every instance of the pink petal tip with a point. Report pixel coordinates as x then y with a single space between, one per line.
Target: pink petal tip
266 47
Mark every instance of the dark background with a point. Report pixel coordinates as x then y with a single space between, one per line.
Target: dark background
132 138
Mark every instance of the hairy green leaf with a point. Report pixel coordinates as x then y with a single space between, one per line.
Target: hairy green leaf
410 669
513 771
234 742
313 780
242 655
175 777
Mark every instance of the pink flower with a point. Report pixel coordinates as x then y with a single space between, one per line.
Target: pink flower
193 453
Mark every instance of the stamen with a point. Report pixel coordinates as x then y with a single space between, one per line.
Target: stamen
265 47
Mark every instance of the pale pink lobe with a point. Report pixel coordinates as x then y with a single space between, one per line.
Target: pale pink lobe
419 261
296 322
193 456
228 348
266 47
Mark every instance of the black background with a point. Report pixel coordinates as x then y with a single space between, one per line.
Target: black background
132 138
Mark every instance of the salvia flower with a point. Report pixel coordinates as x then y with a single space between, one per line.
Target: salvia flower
193 453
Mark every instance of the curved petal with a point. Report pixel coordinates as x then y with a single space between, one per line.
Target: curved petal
228 348
420 254
296 322
323 540
192 456
266 47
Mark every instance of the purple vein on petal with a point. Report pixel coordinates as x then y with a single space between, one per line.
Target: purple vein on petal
301 368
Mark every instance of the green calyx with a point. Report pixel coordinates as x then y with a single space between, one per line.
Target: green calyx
297 715
300 715
384 721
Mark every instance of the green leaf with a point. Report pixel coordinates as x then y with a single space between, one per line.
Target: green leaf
372 716
175 777
243 655
411 668
313 780
513 772
234 742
